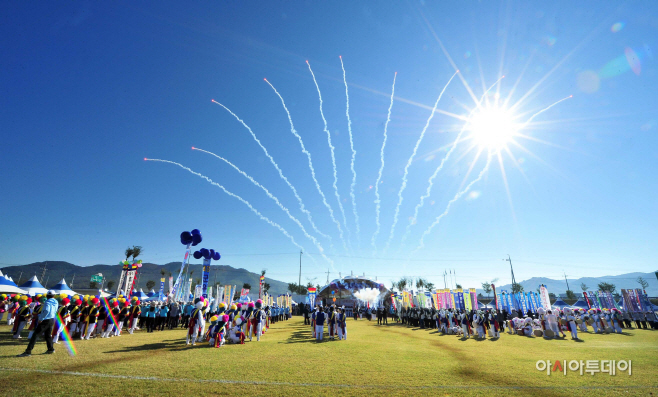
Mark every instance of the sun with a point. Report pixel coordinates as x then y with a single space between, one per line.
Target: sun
492 127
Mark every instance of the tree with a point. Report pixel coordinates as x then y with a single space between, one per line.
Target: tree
642 282
293 288
246 286
137 250
486 287
552 296
110 284
429 286
394 285
93 284
162 272
458 285
129 252
150 284
571 295
420 283
607 287
266 287
197 281
516 288
584 287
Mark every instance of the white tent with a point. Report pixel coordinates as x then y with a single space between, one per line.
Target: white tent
62 288
33 287
9 287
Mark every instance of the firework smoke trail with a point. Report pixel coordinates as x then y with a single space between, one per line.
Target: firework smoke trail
349 129
254 210
381 167
310 166
443 161
421 244
276 200
333 160
299 199
411 159
543 110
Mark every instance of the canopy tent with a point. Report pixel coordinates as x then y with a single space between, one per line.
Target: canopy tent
62 288
9 287
140 295
580 304
560 304
151 293
33 287
489 306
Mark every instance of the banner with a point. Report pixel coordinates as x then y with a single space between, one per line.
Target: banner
171 284
205 277
179 279
197 291
474 298
162 281
593 301
244 294
312 292
220 295
544 297
496 297
467 301
460 299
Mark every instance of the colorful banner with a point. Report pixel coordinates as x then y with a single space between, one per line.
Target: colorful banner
593 301
197 291
474 298
544 297
496 297
179 279
312 293
205 277
467 302
460 299
162 281
171 284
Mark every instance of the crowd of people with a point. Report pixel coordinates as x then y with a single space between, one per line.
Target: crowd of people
88 317
335 318
543 323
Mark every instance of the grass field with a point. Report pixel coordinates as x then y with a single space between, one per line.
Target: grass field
375 360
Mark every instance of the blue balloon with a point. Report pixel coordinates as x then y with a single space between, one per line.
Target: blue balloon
196 239
205 253
212 253
197 255
217 256
195 231
185 238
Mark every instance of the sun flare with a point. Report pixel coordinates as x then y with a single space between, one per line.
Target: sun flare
492 128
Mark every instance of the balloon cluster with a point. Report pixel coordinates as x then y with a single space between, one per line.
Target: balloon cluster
207 254
193 237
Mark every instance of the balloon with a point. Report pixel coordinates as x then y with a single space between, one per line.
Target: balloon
216 256
225 318
195 232
66 301
212 253
197 255
186 238
205 253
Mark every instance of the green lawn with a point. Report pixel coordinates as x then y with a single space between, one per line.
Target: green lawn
375 360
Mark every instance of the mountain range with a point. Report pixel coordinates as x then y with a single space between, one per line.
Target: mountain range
559 287
80 276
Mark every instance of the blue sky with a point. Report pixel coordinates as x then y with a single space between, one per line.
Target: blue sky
91 89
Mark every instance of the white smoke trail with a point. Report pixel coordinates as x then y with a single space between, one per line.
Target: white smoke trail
310 166
299 199
443 161
381 168
254 210
276 200
349 129
542 111
421 244
411 159
333 157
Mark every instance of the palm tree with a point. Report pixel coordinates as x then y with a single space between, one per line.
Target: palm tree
162 272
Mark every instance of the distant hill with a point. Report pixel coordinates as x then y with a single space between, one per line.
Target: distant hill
81 275
559 287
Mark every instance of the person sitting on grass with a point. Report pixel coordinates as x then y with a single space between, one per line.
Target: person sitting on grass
45 327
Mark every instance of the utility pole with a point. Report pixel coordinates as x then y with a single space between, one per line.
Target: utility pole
20 277
327 276
565 279
300 268
44 271
73 278
46 283
509 259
